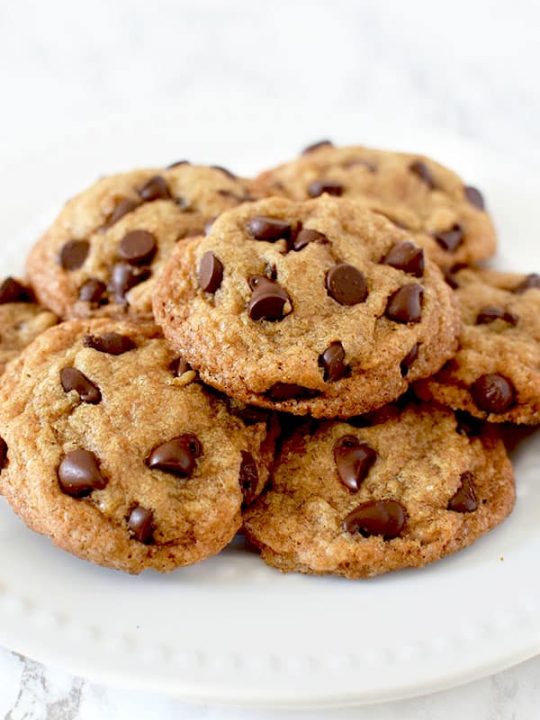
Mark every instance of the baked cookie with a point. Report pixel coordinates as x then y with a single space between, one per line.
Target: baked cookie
21 320
495 374
360 499
102 255
447 218
112 448
316 307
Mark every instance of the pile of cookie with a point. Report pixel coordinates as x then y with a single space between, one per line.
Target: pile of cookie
314 357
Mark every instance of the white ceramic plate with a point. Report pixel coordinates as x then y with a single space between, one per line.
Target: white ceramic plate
231 630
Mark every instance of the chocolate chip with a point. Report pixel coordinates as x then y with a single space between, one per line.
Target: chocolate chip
73 379
530 282
269 229
330 187
210 272
138 247
12 291
178 163
493 393
268 299
123 207
405 305
450 278
110 343
305 236
346 284
408 360
124 277
179 366
332 360
316 146
464 500
141 524
3 453
407 257
420 169
450 239
79 474
467 424
490 313
353 460
281 391
92 290
226 172
177 456
249 477
377 517
73 254
475 197
155 189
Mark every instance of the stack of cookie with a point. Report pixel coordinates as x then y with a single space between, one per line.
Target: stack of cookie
313 356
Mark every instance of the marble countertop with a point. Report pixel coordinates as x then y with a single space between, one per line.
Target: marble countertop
294 69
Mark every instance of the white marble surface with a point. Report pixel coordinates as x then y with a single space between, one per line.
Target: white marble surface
280 74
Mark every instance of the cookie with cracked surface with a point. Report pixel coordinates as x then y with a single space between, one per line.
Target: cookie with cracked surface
102 255
316 307
342 501
447 217
495 374
91 459
21 320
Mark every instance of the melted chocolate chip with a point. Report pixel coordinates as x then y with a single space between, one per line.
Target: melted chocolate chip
315 146
155 189
3 453
177 456
123 207
530 282
332 360
464 500
354 460
268 229
73 254
141 524
377 517
493 393
449 240
178 163
405 305
346 284
409 359
73 379
407 257
305 236
210 272
281 391
12 291
109 343
490 313
330 187
268 299
92 290
421 170
124 277
249 477
475 197
138 247
79 474
179 366
226 172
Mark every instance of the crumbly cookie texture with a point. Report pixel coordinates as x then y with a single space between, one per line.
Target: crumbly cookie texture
358 501
111 447
318 307
21 320
495 374
105 251
447 217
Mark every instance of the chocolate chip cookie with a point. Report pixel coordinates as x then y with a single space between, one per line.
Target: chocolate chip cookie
112 448
317 307
102 255
377 494
495 374
21 320
447 217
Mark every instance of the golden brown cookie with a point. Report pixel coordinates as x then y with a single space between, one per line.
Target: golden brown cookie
401 490
104 252
447 218
316 307
112 448
495 374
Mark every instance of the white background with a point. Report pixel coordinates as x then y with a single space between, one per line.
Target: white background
277 75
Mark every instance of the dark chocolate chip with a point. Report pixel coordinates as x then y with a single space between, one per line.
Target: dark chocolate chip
490 313
210 272
467 424
530 282
420 169
226 172
354 460
281 391
409 359
269 229
73 254
268 299
493 393
464 500
141 524
3 453
407 257
155 189
377 517
179 366
79 474
330 187
305 236
123 207
138 247
73 379
450 278
92 290
110 343
315 146
124 277
346 284
177 456
475 197
249 477
405 305
332 360
450 239
12 291
178 163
